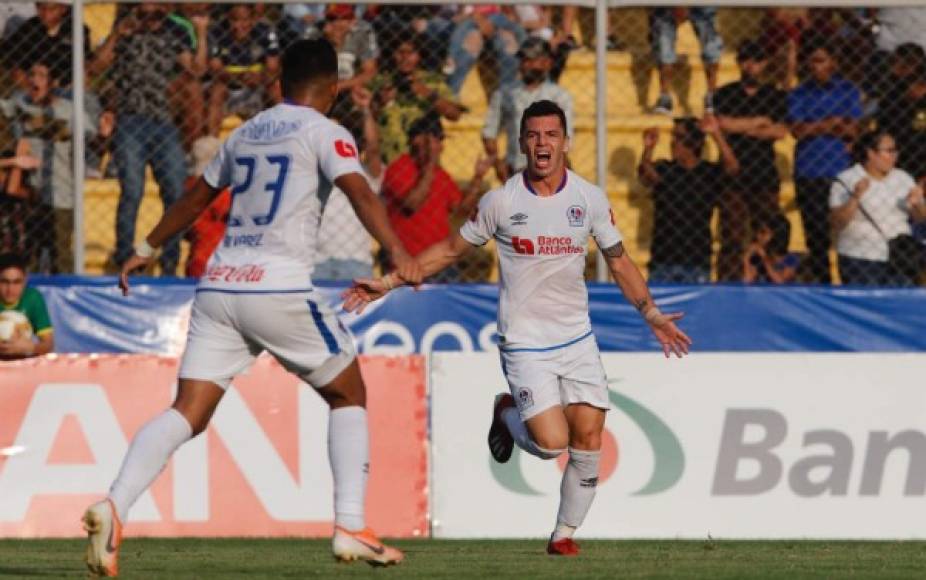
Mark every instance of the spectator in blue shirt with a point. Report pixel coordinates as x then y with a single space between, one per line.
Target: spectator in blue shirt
823 112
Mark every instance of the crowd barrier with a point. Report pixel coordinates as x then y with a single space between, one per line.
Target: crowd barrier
91 315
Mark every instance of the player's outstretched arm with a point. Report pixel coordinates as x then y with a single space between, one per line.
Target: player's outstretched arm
432 260
634 288
177 218
372 214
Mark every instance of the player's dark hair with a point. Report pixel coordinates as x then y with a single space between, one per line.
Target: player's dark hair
544 108
306 62
868 141
694 136
11 260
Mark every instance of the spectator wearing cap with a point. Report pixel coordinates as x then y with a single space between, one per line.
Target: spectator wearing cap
753 116
355 42
420 195
508 103
406 93
482 24
823 113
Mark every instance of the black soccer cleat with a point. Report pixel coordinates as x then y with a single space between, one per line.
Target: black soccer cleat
501 444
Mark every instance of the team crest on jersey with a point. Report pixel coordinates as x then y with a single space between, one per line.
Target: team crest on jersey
525 398
519 219
576 215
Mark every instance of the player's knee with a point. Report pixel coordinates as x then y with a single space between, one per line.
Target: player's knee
336 399
586 440
553 444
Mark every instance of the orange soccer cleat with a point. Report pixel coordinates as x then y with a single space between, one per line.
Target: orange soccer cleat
363 545
104 534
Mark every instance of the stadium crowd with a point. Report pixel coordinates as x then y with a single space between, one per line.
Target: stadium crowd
848 85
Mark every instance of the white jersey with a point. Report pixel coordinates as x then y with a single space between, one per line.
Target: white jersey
280 166
542 243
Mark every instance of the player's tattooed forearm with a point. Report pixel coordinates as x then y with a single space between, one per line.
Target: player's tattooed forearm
615 251
641 304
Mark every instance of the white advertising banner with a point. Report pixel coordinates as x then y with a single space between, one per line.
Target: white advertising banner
726 445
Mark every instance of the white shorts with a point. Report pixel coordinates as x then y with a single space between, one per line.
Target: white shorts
228 330
540 379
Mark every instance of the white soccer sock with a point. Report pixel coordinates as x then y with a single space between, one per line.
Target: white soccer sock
151 447
349 455
576 491
523 438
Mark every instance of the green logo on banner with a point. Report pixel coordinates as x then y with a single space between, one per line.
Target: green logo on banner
668 456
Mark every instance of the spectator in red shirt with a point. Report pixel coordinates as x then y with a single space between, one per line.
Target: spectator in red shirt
209 228
420 195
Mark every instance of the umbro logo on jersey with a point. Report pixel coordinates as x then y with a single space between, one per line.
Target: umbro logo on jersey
519 219
344 149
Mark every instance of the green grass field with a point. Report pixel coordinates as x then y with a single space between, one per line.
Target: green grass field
483 559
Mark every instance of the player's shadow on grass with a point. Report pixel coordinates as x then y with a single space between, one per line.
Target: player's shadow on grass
52 572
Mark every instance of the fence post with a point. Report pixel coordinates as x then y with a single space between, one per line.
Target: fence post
601 113
77 135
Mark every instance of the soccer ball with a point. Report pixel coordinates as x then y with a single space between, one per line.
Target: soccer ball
14 323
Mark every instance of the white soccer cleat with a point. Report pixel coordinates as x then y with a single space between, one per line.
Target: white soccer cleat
104 534
363 545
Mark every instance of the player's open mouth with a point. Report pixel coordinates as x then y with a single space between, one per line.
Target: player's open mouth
543 158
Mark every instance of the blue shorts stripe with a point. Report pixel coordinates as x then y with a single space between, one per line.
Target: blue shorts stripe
323 329
548 348
236 291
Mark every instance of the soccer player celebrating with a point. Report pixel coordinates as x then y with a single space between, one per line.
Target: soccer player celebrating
256 295
541 220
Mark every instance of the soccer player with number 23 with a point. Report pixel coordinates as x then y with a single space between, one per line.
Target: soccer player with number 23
256 295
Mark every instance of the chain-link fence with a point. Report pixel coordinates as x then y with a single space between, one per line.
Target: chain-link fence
741 144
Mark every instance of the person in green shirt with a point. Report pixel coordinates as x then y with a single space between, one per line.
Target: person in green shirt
22 342
404 93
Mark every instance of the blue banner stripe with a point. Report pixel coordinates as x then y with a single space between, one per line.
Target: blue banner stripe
330 341
91 315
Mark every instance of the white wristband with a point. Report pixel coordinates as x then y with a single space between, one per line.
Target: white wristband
388 283
143 249
652 314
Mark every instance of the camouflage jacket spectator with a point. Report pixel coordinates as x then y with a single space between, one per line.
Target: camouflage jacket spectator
145 66
397 116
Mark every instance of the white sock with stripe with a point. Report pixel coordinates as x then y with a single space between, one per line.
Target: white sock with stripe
577 490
